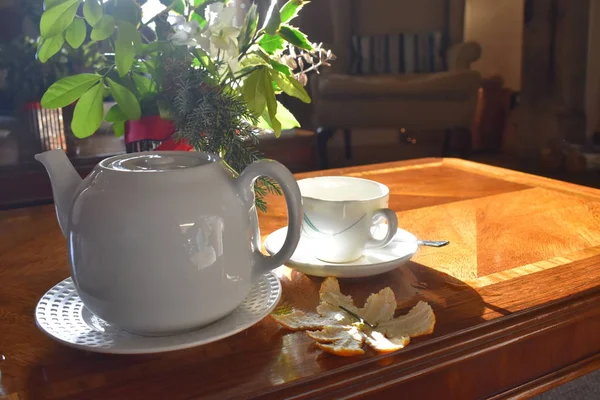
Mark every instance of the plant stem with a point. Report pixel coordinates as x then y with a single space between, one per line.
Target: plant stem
253 41
109 70
358 317
236 78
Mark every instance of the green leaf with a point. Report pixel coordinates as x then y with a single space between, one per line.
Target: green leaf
179 6
89 112
50 47
200 19
127 10
126 100
205 60
248 29
115 114
51 3
291 9
290 85
269 61
271 44
103 28
254 59
119 128
295 37
269 94
92 11
67 90
76 33
57 19
143 84
276 125
254 91
274 21
128 38
284 69
163 109
283 120
287 119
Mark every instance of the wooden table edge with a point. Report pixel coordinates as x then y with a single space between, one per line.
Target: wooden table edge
551 380
449 354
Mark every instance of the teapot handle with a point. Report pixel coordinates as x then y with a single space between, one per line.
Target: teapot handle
291 191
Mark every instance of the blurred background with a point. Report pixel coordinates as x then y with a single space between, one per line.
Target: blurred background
514 83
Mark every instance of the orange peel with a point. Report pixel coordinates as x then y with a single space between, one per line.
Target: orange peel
340 328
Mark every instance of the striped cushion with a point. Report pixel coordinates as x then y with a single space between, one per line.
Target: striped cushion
408 53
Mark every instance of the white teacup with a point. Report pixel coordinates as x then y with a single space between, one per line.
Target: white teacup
340 215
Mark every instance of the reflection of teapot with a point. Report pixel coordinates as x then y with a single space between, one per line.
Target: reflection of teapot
158 241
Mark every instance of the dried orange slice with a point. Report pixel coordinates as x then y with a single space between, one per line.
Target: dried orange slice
339 340
419 321
379 307
340 328
379 342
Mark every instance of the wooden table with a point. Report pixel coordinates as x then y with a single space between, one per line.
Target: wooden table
516 295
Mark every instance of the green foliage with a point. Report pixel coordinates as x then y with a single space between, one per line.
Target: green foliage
291 9
295 37
248 31
103 28
67 90
215 82
125 10
143 85
119 128
176 5
115 114
76 33
92 11
50 47
254 90
58 17
290 86
51 3
214 120
126 100
89 112
274 22
128 39
271 44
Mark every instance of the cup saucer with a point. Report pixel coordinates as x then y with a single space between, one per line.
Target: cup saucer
61 315
373 262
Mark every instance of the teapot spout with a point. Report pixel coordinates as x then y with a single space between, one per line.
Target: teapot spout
64 180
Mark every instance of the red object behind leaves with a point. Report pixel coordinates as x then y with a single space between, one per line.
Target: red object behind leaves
155 128
170 144
148 128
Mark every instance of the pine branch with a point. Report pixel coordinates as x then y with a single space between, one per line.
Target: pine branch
214 119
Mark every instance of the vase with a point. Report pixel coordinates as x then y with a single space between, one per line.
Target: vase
147 133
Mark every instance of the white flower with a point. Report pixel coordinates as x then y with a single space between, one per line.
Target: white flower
186 33
219 38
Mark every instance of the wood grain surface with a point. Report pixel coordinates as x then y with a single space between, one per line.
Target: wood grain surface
516 297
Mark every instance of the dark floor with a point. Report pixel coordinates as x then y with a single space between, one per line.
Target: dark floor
586 387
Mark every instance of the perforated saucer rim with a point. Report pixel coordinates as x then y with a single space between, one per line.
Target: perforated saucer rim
60 314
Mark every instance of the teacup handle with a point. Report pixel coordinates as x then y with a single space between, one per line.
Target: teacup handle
392 228
291 192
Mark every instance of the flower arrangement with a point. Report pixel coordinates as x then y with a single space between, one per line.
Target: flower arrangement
188 65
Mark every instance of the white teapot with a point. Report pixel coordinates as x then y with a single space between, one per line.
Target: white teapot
163 242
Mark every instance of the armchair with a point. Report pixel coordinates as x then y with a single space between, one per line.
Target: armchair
444 100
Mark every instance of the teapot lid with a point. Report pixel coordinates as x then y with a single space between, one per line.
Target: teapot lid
157 161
